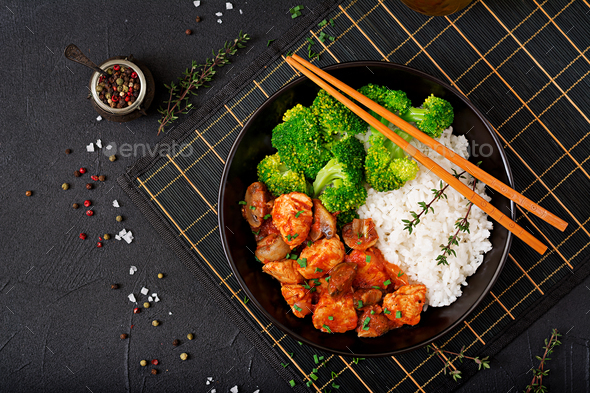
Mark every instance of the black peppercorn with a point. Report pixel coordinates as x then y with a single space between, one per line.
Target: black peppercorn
77 173
115 286
75 206
102 178
176 343
89 186
123 336
198 19
29 193
154 371
68 151
188 32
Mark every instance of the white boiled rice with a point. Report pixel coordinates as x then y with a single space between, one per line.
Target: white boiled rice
416 253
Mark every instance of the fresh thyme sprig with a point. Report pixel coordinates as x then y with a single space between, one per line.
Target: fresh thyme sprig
438 194
462 225
482 363
194 77
536 385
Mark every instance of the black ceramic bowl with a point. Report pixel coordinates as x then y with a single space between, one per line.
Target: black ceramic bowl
253 144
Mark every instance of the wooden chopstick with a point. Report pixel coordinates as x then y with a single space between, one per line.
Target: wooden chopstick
441 149
477 200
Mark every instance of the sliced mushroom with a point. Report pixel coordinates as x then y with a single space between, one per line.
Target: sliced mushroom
257 204
324 223
360 234
341 278
271 248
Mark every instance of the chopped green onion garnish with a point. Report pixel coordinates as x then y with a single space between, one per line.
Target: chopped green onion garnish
284 364
289 237
387 282
310 41
332 38
386 311
296 307
335 386
242 202
321 358
257 232
327 328
288 256
290 354
299 213
312 289
295 235
318 270
328 278
366 323
376 287
313 376
400 273
356 360
246 300
360 304
309 243
293 256
292 383
269 42
300 343
255 257
398 314
323 23
306 286
359 243
334 375
302 262
331 318
315 370
368 258
332 22
316 281
308 383
372 312
252 207
315 359
267 216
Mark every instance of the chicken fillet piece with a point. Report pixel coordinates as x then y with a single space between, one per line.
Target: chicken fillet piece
298 298
372 323
291 214
366 297
285 271
335 314
371 270
322 256
405 304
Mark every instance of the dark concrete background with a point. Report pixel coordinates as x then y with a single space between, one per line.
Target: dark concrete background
60 321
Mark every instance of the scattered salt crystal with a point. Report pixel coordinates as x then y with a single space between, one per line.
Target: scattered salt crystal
241 12
144 291
197 3
229 6
118 238
122 232
257 391
234 389
219 21
218 14
109 147
150 299
156 298
213 391
99 118
99 143
128 237
90 147
210 379
132 298
169 312
132 270
115 203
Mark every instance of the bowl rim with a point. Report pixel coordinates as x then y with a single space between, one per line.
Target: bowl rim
229 159
122 111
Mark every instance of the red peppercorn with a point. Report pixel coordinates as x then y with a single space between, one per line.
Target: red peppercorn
131 90
99 244
89 213
82 170
115 98
100 238
155 362
134 75
82 236
94 177
127 98
87 203
136 310
116 67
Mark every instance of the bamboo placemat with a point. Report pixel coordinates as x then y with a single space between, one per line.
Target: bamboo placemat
524 64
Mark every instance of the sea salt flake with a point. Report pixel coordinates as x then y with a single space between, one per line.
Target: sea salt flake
99 118
123 232
150 299
197 3
109 147
132 270
213 390
218 14
117 237
241 12
219 21
99 143
90 147
210 379
144 291
169 312
156 299
128 237
234 389
229 6
257 391
115 203
132 298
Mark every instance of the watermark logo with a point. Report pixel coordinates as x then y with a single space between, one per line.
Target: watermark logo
484 150
126 150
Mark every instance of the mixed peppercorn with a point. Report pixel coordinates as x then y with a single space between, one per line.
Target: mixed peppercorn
120 89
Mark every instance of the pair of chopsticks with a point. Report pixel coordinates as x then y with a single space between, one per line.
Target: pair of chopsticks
321 78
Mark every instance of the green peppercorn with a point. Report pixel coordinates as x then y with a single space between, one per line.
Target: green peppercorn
65 186
106 236
119 218
160 275
184 356
112 158
119 88
99 88
125 89
143 363
190 336
155 322
110 71
119 81
146 305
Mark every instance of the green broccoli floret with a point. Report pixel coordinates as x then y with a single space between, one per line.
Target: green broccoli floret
344 218
300 141
435 116
395 101
384 170
279 179
339 184
335 118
